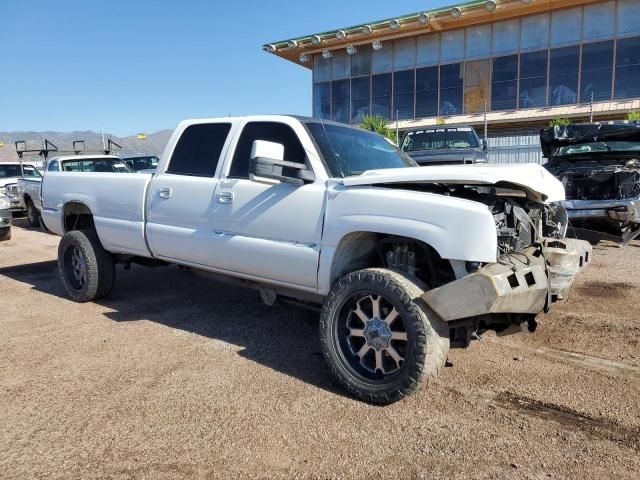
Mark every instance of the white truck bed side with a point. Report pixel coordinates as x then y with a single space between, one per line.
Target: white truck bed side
119 216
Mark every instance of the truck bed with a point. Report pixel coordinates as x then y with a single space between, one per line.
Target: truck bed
119 218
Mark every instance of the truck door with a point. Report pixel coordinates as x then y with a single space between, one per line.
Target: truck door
181 198
268 230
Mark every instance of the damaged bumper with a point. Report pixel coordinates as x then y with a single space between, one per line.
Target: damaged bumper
626 211
517 284
521 282
565 257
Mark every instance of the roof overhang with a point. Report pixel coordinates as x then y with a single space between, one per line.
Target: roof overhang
434 20
601 110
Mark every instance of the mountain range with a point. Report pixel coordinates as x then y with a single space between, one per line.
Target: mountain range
153 143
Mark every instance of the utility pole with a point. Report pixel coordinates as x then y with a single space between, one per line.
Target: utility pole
397 128
591 108
486 123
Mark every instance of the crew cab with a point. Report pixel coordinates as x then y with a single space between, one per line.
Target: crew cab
9 175
445 146
404 261
28 187
599 166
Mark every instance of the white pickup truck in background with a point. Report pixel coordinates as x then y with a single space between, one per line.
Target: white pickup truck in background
404 260
29 186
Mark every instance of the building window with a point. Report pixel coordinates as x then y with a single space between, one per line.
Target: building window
563 75
504 85
361 61
628 16
506 37
360 98
403 88
534 32
428 49
426 92
321 68
341 65
381 95
340 101
404 53
533 79
597 71
322 100
478 41
451 89
627 68
382 60
477 75
599 20
566 26
452 45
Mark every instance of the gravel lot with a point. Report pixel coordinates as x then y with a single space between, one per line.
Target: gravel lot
175 376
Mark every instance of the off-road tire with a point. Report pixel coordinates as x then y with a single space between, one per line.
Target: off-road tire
428 335
33 216
5 234
100 267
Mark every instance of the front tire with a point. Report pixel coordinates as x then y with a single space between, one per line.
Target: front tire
377 337
32 214
86 269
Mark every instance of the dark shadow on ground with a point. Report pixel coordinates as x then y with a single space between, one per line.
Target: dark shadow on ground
283 338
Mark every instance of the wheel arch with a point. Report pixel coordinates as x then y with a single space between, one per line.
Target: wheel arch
366 249
76 215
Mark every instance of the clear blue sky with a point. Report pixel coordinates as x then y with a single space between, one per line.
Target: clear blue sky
141 66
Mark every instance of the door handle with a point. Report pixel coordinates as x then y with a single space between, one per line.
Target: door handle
166 192
224 197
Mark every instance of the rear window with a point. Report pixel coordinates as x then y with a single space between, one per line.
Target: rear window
95 165
198 150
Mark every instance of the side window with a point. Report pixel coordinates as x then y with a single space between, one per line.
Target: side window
198 150
271 132
53 166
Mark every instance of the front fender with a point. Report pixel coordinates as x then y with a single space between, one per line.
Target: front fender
457 229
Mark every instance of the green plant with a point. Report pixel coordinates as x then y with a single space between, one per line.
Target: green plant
378 124
558 121
633 115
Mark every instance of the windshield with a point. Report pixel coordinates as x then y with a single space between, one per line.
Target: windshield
13 171
95 165
351 151
142 163
614 146
440 138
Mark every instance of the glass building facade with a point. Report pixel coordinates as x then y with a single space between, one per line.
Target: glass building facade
560 58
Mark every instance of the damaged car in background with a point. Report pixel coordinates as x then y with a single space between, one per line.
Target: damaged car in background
599 166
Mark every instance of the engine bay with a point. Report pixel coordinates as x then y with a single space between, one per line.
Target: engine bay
598 179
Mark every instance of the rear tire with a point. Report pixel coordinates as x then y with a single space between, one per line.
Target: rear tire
33 216
86 269
5 234
377 363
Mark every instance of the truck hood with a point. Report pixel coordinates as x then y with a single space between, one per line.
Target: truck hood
538 184
564 135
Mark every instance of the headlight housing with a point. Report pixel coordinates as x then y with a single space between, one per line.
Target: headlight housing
3 190
5 204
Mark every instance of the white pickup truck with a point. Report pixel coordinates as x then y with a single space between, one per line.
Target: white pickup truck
404 260
29 186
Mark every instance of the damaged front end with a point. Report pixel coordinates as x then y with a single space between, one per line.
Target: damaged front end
599 167
536 266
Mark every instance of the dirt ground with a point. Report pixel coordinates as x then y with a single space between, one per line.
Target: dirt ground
174 376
